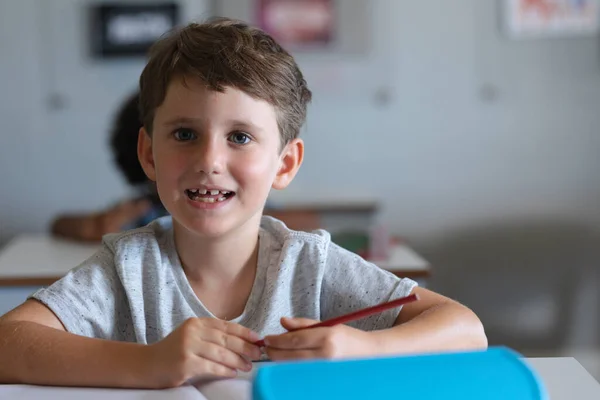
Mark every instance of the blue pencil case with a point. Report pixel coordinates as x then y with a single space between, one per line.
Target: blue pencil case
495 374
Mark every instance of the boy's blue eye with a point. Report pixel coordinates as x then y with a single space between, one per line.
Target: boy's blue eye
239 138
184 135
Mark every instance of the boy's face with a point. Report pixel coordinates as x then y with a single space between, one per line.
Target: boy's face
215 157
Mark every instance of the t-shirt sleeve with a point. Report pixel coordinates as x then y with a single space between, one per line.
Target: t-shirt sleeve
89 300
351 283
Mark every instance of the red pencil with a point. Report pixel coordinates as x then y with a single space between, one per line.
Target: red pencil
365 312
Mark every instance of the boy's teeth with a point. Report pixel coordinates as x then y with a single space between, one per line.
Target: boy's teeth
208 196
210 199
212 192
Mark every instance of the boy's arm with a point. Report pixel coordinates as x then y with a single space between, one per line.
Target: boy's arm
434 323
76 227
92 227
42 352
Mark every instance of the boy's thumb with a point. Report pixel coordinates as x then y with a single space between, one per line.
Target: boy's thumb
292 324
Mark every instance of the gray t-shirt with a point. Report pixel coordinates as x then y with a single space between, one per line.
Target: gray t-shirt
134 288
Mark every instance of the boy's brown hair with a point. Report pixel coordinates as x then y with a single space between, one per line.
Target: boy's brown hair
224 52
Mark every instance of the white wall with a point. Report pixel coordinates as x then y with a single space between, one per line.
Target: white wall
438 155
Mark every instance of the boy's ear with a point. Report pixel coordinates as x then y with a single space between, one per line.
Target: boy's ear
145 156
290 160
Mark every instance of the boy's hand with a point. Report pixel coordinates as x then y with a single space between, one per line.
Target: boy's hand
202 348
113 220
328 342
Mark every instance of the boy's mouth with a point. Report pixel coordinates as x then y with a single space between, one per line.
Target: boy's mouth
208 196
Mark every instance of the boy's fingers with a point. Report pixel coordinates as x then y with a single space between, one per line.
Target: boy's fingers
234 329
282 355
296 323
204 367
240 343
303 339
240 346
222 355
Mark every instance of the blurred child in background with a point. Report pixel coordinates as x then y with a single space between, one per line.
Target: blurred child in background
130 213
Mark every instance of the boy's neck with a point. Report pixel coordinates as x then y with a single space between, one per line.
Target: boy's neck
217 261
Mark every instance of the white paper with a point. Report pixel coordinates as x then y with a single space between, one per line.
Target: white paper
27 392
231 389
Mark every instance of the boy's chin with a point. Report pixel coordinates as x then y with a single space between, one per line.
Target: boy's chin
213 228
203 230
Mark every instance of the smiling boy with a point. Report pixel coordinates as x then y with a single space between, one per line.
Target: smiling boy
187 296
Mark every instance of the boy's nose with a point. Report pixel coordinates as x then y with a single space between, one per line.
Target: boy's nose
210 158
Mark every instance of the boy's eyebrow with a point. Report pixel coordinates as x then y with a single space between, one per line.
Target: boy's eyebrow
182 121
237 123
245 124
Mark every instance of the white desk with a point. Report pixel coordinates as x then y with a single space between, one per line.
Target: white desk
404 261
564 378
32 261
38 260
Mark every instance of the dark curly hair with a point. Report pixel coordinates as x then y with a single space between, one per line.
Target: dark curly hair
124 138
